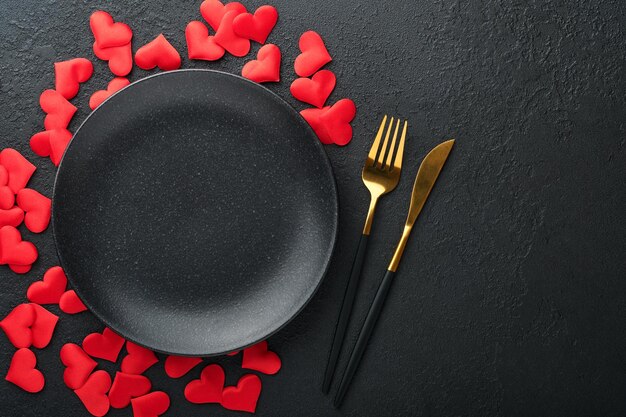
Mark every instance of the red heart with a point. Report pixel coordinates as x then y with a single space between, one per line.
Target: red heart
138 359
244 397
312 116
116 84
13 250
257 26
18 168
22 371
213 11
7 198
258 358
266 67
200 45
37 208
158 53
16 325
120 58
51 143
127 386
58 110
150 405
314 90
107 33
228 39
43 326
207 389
11 217
314 54
50 289
70 303
93 393
177 366
78 365
337 120
69 74
105 346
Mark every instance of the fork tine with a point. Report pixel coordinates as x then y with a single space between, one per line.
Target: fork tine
380 159
387 165
397 160
373 154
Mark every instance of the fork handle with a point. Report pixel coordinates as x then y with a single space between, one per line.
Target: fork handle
344 314
364 336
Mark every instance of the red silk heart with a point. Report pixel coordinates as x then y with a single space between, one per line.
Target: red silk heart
78 364
16 325
259 358
312 116
257 26
314 54
69 74
337 120
213 11
106 345
51 143
37 209
158 53
120 58
13 250
150 405
266 68
138 359
314 90
228 39
200 45
70 303
22 371
7 198
127 386
244 396
43 326
50 289
107 33
11 217
207 389
177 366
59 111
93 393
115 85
19 169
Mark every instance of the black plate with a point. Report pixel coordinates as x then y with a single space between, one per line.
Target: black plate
195 212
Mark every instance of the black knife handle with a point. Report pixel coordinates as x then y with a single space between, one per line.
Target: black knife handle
364 336
344 314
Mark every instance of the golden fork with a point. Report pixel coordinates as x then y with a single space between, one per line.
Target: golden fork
381 174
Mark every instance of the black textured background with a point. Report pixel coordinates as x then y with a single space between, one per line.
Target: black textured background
510 300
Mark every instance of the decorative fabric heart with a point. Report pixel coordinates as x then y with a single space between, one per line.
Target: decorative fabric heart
228 39
13 250
158 53
120 58
312 116
11 217
93 393
16 325
70 303
259 358
18 168
50 289
59 111
314 90
138 359
150 405
213 11
337 120
22 371
126 387
115 85
257 26
200 45
69 74
266 68
107 33
43 326
244 396
207 389
37 209
314 54
106 345
177 366
78 364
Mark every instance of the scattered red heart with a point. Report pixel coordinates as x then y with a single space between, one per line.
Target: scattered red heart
257 26
106 345
314 90
50 289
70 303
15 251
107 33
266 68
150 405
228 39
120 58
314 54
18 168
244 396
37 209
69 74
199 44
138 360
93 393
115 85
78 364
158 53
43 326
207 389
17 325
126 387
213 11
259 358
22 371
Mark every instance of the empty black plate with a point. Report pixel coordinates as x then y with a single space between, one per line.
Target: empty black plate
195 212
